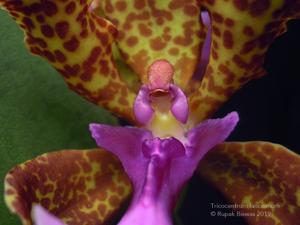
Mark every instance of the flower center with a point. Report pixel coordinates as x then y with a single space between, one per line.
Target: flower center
161 106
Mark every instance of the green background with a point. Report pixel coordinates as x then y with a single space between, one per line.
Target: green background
38 113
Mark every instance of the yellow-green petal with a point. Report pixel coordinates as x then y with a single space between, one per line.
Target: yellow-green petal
242 31
78 44
152 30
257 174
78 186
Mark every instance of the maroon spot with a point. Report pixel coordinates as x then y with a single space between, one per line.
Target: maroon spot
62 29
46 203
103 37
217 17
158 44
112 30
227 39
80 16
121 6
191 10
248 31
87 74
258 7
32 9
216 31
83 22
92 25
95 53
40 18
229 75
248 46
211 2
47 31
241 4
72 44
241 63
84 33
104 67
49 55
72 70
60 56
101 22
138 4
50 8
229 22
38 41
36 51
214 54
28 23
131 41
70 8
15 15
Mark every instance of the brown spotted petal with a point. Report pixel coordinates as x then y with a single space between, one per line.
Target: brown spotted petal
150 30
257 174
242 31
78 44
78 186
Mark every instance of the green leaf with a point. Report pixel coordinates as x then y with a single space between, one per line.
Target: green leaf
38 113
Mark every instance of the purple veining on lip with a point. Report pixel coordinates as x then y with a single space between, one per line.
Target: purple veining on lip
205 50
142 107
158 168
179 108
152 205
126 143
40 216
143 110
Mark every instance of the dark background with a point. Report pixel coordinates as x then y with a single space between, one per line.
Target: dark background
269 110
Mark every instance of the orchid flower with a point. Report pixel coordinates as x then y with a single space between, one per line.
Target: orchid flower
87 41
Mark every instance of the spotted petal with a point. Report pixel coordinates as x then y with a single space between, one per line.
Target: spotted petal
78 44
152 30
242 31
257 173
77 186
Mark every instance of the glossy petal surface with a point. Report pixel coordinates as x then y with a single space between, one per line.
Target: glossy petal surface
210 133
142 106
78 44
257 173
130 154
158 168
77 186
180 107
242 31
199 141
153 200
153 30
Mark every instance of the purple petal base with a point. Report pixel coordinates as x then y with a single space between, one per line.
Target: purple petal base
142 107
143 110
180 107
158 167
